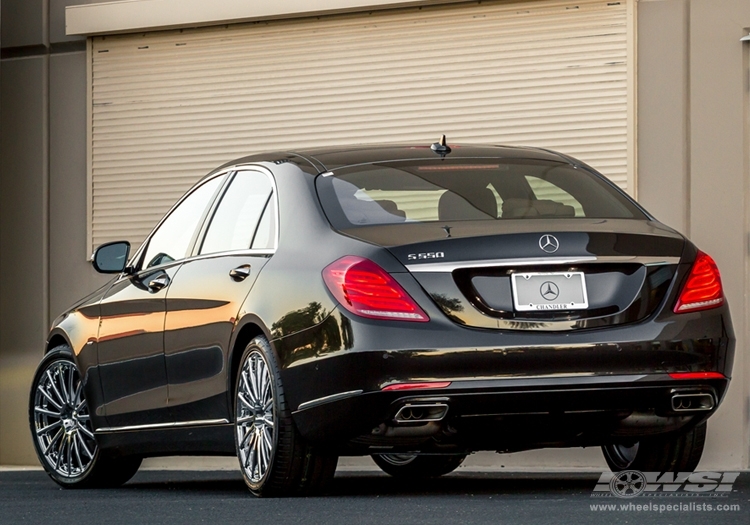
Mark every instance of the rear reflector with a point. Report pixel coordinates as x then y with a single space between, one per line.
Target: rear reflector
365 289
702 289
416 386
697 375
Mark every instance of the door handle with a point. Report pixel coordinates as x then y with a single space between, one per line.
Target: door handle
158 283
240 273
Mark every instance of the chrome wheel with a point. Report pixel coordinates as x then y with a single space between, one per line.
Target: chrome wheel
62 424
255 418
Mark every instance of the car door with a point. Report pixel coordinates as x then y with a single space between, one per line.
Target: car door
131 330
205 297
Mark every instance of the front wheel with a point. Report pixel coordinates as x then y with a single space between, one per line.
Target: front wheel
62 432
417 466
671 453
274 459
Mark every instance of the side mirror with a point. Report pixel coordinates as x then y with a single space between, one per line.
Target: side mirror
111 257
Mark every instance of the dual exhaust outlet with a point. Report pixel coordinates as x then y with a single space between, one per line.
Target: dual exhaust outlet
692 402
421 413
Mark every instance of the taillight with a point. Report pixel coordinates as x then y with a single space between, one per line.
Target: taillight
697 375
365 289
702 290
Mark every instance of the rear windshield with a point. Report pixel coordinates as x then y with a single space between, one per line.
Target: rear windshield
468 190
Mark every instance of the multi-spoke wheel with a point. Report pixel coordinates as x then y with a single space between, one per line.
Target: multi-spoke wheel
417 466
61 421
680 453
61 426
255 420
274 459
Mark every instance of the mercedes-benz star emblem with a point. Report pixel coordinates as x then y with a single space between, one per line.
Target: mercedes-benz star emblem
549 243
549 290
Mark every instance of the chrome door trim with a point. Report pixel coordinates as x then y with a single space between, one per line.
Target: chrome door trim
156 426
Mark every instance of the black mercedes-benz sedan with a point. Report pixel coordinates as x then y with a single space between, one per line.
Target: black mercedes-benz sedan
412 303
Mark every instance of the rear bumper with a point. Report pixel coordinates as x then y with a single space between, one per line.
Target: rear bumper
510 414
508 390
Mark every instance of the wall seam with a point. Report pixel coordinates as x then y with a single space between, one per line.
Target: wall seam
746 168
45 172
688 124
632 96
89 149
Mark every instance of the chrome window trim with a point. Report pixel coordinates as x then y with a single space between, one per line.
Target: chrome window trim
228 172
244 168
274 195
447 267
137 255
155 426
249 253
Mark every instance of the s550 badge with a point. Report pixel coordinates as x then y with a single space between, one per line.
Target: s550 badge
425 255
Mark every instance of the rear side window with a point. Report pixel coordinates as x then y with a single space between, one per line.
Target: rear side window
468 190
235 223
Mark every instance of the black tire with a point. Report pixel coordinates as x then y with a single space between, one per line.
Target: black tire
416 466
671 453
61 428
289 466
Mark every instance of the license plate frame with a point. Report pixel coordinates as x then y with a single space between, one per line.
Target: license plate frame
549 291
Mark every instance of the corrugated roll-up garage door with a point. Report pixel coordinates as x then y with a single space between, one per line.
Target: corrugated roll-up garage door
167 107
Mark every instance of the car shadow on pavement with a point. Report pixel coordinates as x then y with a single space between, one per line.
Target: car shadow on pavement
370 483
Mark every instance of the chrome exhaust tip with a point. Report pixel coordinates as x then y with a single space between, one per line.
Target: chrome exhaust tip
695 402
421 413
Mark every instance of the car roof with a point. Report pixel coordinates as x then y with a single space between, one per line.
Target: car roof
332 158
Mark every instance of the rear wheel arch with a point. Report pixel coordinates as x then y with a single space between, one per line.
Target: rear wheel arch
274 458
250 329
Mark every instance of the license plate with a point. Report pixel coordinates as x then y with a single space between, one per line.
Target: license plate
533 292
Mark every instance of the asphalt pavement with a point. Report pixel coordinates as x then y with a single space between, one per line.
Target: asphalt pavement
363 497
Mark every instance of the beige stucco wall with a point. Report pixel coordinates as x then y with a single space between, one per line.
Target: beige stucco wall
692 162
42 199
719 191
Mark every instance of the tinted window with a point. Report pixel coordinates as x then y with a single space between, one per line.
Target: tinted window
171 241
545 190
455 190
235 221
266 234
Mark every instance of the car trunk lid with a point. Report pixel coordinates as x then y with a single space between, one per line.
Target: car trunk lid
541 274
